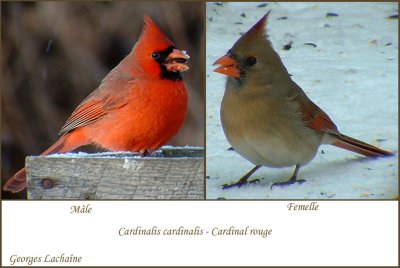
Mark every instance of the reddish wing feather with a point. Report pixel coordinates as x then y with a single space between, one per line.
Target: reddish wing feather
317 119
91 109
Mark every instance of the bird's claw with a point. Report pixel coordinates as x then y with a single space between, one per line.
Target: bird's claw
146 152
239 184
286 183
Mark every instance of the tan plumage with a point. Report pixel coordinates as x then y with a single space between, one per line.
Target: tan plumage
267 117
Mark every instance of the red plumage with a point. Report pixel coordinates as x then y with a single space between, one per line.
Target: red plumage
139 106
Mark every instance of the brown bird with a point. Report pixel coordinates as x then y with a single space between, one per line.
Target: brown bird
267 117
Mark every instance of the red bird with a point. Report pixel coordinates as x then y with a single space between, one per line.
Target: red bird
139 106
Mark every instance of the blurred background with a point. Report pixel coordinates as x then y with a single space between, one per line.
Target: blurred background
53 54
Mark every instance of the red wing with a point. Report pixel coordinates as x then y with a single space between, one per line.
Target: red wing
91 109
317 119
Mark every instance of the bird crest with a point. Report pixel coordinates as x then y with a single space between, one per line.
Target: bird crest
151 34
255 36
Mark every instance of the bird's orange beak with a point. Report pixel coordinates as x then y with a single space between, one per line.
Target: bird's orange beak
176 60
228 66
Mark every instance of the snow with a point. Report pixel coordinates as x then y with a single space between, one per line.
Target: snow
351 74
116 154
126 154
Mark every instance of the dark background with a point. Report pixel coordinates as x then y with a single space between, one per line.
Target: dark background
53 54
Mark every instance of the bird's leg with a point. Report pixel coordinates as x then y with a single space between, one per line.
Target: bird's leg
292 179
146 152
243 180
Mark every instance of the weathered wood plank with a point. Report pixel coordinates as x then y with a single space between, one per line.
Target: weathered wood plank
170 173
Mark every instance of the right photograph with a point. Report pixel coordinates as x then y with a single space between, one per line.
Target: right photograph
301 100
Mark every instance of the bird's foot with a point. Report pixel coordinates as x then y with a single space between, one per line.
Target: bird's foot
146 152
286 183
243 180
239 183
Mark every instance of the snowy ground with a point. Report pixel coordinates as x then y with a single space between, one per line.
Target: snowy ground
352 74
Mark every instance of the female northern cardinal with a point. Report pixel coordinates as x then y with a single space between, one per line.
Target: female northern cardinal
266 117
139 106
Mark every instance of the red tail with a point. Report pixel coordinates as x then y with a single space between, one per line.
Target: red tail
348 143
17 183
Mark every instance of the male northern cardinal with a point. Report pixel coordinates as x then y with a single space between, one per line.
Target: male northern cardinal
139 106
266 117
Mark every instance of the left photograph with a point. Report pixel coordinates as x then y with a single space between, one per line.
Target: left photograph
102 100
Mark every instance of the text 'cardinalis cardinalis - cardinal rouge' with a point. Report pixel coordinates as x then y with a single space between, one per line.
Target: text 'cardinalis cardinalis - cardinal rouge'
139 106
267 118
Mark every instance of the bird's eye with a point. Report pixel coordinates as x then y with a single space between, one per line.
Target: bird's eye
155 55
250 61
